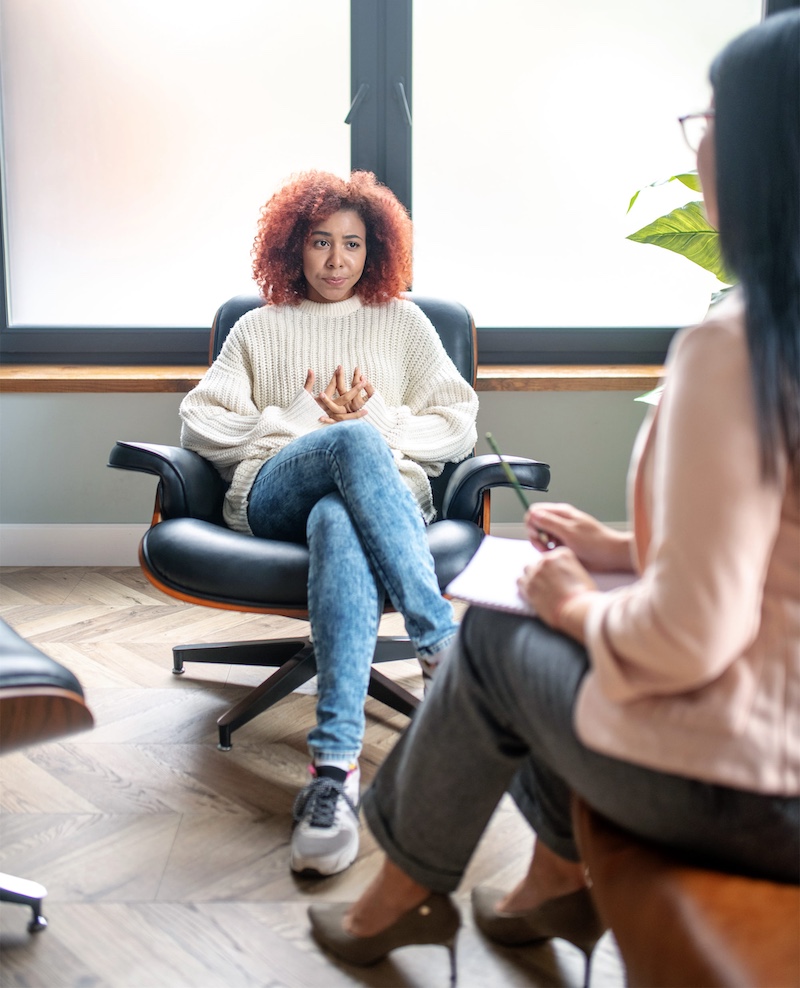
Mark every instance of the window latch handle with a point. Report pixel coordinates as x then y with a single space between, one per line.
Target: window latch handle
358 99
400 89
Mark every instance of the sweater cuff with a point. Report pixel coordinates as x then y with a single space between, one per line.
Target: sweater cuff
382 417
303 415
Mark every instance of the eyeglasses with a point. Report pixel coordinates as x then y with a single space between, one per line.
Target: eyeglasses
694 126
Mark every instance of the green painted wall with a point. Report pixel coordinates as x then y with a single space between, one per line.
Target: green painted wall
53 451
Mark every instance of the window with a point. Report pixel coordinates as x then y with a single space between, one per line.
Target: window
533 127
141 136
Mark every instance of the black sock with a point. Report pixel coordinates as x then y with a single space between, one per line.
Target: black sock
331 772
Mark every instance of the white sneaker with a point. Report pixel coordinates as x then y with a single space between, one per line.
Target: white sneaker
325 837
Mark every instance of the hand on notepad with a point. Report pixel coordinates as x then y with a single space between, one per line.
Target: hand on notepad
552 579
491 577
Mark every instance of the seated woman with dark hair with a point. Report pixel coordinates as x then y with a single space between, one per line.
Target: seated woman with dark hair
671 705
327 410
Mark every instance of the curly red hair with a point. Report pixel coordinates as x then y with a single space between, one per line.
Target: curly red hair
290 214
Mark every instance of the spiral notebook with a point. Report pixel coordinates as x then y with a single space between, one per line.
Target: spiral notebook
490 577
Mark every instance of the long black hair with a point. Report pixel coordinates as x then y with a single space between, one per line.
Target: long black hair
756 82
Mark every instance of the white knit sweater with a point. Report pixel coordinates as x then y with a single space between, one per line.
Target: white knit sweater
252 401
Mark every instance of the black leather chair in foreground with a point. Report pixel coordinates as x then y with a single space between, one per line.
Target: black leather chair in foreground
39 700
190 554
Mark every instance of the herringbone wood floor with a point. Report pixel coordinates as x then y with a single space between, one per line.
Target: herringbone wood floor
166 860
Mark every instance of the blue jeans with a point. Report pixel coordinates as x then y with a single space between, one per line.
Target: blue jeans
339 490
500 717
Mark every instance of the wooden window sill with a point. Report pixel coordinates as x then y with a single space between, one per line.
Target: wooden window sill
50 379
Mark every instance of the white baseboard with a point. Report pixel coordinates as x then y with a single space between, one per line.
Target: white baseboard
516 530
70 545
508 529
109 545
104 545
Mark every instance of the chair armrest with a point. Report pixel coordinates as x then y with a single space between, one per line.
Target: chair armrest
189 486
471 479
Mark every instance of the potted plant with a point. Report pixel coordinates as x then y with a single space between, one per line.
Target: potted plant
686 231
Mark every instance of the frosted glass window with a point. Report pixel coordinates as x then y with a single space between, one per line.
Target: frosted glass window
141 138
534 123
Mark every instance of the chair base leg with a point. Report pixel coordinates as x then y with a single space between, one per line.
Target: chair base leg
267 652
387 691
296 664
25 893
285 680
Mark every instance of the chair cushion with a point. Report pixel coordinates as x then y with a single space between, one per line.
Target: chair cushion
196 559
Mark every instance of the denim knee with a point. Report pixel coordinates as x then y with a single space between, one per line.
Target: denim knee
329 517
359 437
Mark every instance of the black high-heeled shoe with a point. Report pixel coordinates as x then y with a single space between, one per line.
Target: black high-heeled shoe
435 921
570 917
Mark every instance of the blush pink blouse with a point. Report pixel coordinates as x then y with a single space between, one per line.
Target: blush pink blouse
695 667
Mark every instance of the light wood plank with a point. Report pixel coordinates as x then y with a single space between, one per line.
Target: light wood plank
166 860
34 378
569 377
96 379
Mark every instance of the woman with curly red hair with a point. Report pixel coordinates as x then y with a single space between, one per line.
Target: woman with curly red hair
343 464
278 248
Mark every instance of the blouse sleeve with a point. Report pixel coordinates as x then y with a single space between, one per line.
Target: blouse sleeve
220 420
697 605
435 423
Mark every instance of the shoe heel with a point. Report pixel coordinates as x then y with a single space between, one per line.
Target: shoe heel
435 921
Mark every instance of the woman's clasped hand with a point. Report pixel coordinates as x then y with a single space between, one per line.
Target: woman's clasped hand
341 401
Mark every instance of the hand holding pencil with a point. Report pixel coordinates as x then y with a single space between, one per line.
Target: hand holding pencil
546 540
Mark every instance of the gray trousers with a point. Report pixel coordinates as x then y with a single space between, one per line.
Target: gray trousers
498 718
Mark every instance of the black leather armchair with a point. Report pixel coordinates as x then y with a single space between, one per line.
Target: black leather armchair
39 700
190 554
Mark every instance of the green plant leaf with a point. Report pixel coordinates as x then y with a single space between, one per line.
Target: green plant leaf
686 231
651 397
690 179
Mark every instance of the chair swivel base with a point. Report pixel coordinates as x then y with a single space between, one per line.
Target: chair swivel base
296 664
25 893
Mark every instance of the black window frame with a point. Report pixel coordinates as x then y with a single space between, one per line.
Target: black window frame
381 117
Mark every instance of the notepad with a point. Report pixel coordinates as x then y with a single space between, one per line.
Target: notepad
490 577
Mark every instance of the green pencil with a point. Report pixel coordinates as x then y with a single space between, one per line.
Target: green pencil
508 472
